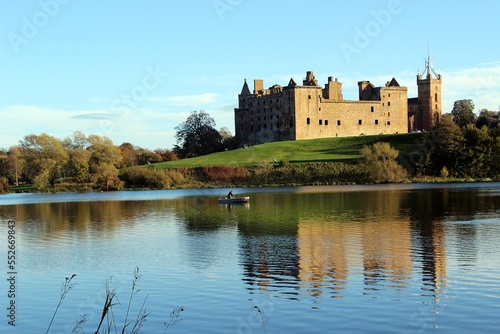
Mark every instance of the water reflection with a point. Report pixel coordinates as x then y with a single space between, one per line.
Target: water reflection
295 245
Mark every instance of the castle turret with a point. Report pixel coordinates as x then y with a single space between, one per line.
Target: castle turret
258 86
429 98
333 90
245 91
310 80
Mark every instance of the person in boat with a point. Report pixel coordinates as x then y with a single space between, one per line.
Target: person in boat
230 194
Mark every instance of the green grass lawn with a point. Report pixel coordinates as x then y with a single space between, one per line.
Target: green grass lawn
343 149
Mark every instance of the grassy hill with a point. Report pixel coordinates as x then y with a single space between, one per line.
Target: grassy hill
343 149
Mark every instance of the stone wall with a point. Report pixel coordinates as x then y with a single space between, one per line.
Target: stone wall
309 111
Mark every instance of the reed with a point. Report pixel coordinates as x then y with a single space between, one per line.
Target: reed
107 323
65 288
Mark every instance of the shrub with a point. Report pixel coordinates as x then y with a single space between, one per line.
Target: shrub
223 173
4 184
379 162
138 177
444 172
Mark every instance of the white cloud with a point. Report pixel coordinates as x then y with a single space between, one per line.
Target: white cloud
479 83
153 125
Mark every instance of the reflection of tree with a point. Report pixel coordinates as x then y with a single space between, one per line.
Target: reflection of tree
296 243
52 220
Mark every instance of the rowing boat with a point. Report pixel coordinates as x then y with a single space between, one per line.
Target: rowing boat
233 200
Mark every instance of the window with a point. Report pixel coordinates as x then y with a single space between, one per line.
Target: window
320 122
360 122
338 122
389 114
376 122
388 122
309 97
436 97
372 108
326 122
389 103
308 120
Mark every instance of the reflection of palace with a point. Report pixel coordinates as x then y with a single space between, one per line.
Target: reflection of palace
372 240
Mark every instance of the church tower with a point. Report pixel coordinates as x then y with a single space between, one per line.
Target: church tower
429 98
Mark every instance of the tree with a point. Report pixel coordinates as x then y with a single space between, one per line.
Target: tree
166 154
228 140
463 112
15 163
129 156
103 151
79 163
45 159
449 142
107 175
479 150
197 135
379 161
487 118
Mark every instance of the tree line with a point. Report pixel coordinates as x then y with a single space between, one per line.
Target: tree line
462 145
89 162
94 162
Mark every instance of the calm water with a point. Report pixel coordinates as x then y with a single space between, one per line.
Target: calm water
357 259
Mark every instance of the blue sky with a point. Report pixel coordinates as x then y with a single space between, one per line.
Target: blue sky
133 70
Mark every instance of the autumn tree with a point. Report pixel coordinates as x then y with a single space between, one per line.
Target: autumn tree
106 175
129 157
104 160
103 151
15 164
45 159
166 154
78 157
380 163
